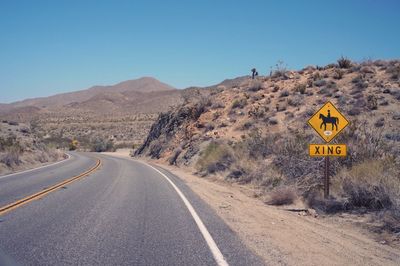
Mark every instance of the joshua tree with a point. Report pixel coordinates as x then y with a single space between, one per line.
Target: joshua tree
253 73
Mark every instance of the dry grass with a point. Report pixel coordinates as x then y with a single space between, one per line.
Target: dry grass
216 157
282 196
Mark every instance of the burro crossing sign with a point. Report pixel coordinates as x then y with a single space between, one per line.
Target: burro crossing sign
328 122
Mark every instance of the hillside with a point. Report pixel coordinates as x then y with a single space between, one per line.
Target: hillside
257 133
21 149
122 112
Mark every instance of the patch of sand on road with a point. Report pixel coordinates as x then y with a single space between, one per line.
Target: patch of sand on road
281 237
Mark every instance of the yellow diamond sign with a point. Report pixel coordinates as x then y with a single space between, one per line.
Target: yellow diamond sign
328 122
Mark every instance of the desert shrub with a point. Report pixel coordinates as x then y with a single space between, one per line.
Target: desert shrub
301 87
209 127
256 146
216 157
394 71
255 85
262 175
344 62
367 70
101 145
239 103
155 149
284 93
280 70
372 102
371 184
11 157
296 100
13 123
316 76
280 107
282 196
273 121
320 82
338 73
354 111
258 111
217 105
246 125
10 142
175 155
73 145
379 122
395 136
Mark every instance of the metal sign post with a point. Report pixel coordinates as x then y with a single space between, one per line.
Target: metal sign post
328 122
326 180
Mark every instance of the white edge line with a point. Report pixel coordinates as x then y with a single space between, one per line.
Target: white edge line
30 170
219 258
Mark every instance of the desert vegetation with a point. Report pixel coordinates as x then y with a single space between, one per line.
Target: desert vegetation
21 149
264 138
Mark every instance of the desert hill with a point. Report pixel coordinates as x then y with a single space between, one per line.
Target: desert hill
256 132
124 91
122 112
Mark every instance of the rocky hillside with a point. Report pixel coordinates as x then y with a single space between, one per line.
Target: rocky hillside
20 148
257 132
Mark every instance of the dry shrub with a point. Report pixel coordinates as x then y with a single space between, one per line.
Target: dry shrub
215 158
239 103
255 85
284 93
344 62
372 102
301 87
338 74
295 101
175 155
11 157
372 184
282 196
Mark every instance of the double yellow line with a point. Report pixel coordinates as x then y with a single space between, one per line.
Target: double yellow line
42 193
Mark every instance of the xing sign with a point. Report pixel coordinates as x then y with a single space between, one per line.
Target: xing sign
327 150
328 122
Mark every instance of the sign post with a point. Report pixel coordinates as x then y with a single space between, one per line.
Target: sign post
328 122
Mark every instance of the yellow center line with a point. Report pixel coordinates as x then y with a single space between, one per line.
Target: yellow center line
42 193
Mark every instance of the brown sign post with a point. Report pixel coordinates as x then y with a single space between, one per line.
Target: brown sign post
328 122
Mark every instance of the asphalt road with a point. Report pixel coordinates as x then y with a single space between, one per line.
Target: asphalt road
125 213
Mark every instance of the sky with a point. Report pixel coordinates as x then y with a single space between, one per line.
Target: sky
55 46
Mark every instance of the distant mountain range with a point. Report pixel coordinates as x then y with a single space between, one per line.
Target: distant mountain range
143 95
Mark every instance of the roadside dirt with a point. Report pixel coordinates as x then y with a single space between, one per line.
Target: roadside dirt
283 237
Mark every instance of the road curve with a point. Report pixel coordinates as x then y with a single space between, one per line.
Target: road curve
125 213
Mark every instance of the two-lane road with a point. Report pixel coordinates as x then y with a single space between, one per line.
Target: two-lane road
124 213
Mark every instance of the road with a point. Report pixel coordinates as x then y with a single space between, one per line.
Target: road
124 213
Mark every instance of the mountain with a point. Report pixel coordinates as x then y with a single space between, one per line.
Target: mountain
122 112
127 88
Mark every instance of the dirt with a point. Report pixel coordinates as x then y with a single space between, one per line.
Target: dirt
283 237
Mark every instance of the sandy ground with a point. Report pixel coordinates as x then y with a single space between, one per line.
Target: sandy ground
283 237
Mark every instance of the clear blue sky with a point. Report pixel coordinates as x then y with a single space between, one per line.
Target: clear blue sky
48 47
